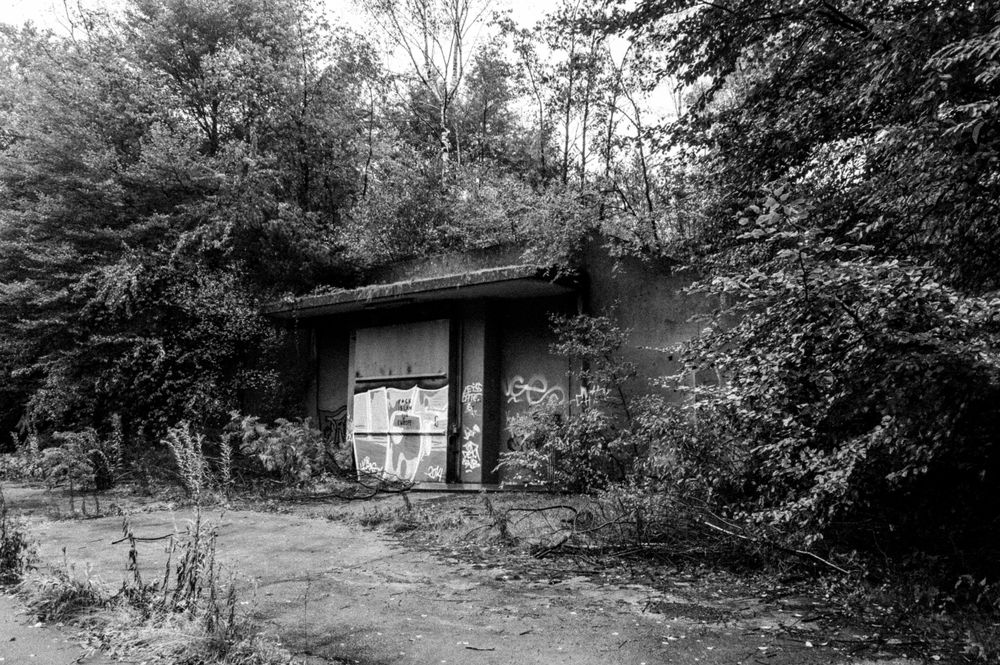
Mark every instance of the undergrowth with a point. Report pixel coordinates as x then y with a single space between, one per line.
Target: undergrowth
188 615
16 553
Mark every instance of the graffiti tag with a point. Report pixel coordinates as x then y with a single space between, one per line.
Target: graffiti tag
470 449
535 390
368 466
472 395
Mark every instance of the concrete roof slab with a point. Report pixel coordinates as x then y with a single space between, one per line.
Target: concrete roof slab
513 281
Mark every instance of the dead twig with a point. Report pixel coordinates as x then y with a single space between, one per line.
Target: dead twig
143 539
778 546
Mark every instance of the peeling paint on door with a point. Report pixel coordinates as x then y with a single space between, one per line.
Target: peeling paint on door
401 434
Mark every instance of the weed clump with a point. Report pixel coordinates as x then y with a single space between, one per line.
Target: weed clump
189 615
16 552
62 596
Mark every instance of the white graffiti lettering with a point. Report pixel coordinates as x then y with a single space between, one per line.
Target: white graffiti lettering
435 473
470 456
470 449
472 395
368 466
534 391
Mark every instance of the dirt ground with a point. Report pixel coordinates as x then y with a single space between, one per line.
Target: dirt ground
332 590
24 641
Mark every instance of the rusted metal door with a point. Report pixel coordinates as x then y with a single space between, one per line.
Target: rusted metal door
400 415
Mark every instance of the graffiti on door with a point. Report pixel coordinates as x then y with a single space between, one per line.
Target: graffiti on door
401 434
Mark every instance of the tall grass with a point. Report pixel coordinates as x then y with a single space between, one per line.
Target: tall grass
186 615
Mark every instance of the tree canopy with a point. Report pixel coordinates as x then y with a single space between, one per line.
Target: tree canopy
845 187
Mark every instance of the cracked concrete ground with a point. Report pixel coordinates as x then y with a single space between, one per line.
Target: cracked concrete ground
333 591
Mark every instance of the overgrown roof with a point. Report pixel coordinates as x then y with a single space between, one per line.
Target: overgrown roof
510 281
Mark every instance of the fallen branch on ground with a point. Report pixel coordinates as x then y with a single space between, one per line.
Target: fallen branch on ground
777 546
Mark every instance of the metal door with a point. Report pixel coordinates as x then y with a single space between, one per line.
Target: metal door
400 416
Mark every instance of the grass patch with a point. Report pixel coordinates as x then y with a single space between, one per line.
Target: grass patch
409 517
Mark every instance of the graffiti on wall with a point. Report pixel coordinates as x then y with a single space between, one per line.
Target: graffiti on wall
472 395
472 433
534 391
401 433
470 448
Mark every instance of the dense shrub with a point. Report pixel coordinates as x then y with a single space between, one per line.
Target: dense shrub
80 460
293 451
590 446
15 547
572 452
864 393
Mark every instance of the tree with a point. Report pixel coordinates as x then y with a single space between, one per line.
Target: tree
434 36
847 228
159 176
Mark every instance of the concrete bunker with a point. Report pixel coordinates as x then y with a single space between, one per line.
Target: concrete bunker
420 371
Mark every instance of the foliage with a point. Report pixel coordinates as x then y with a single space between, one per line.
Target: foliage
690 450
187 448
571 452
584 449
841 178
294 451
78 459
593 344
864 388
23 462
60 597
16 552
869 110
158 177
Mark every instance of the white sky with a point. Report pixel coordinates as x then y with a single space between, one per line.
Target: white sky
51 13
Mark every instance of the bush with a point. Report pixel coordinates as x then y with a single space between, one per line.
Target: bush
293 451
585 449
862 395
575 453
23 462
15 547
79 459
